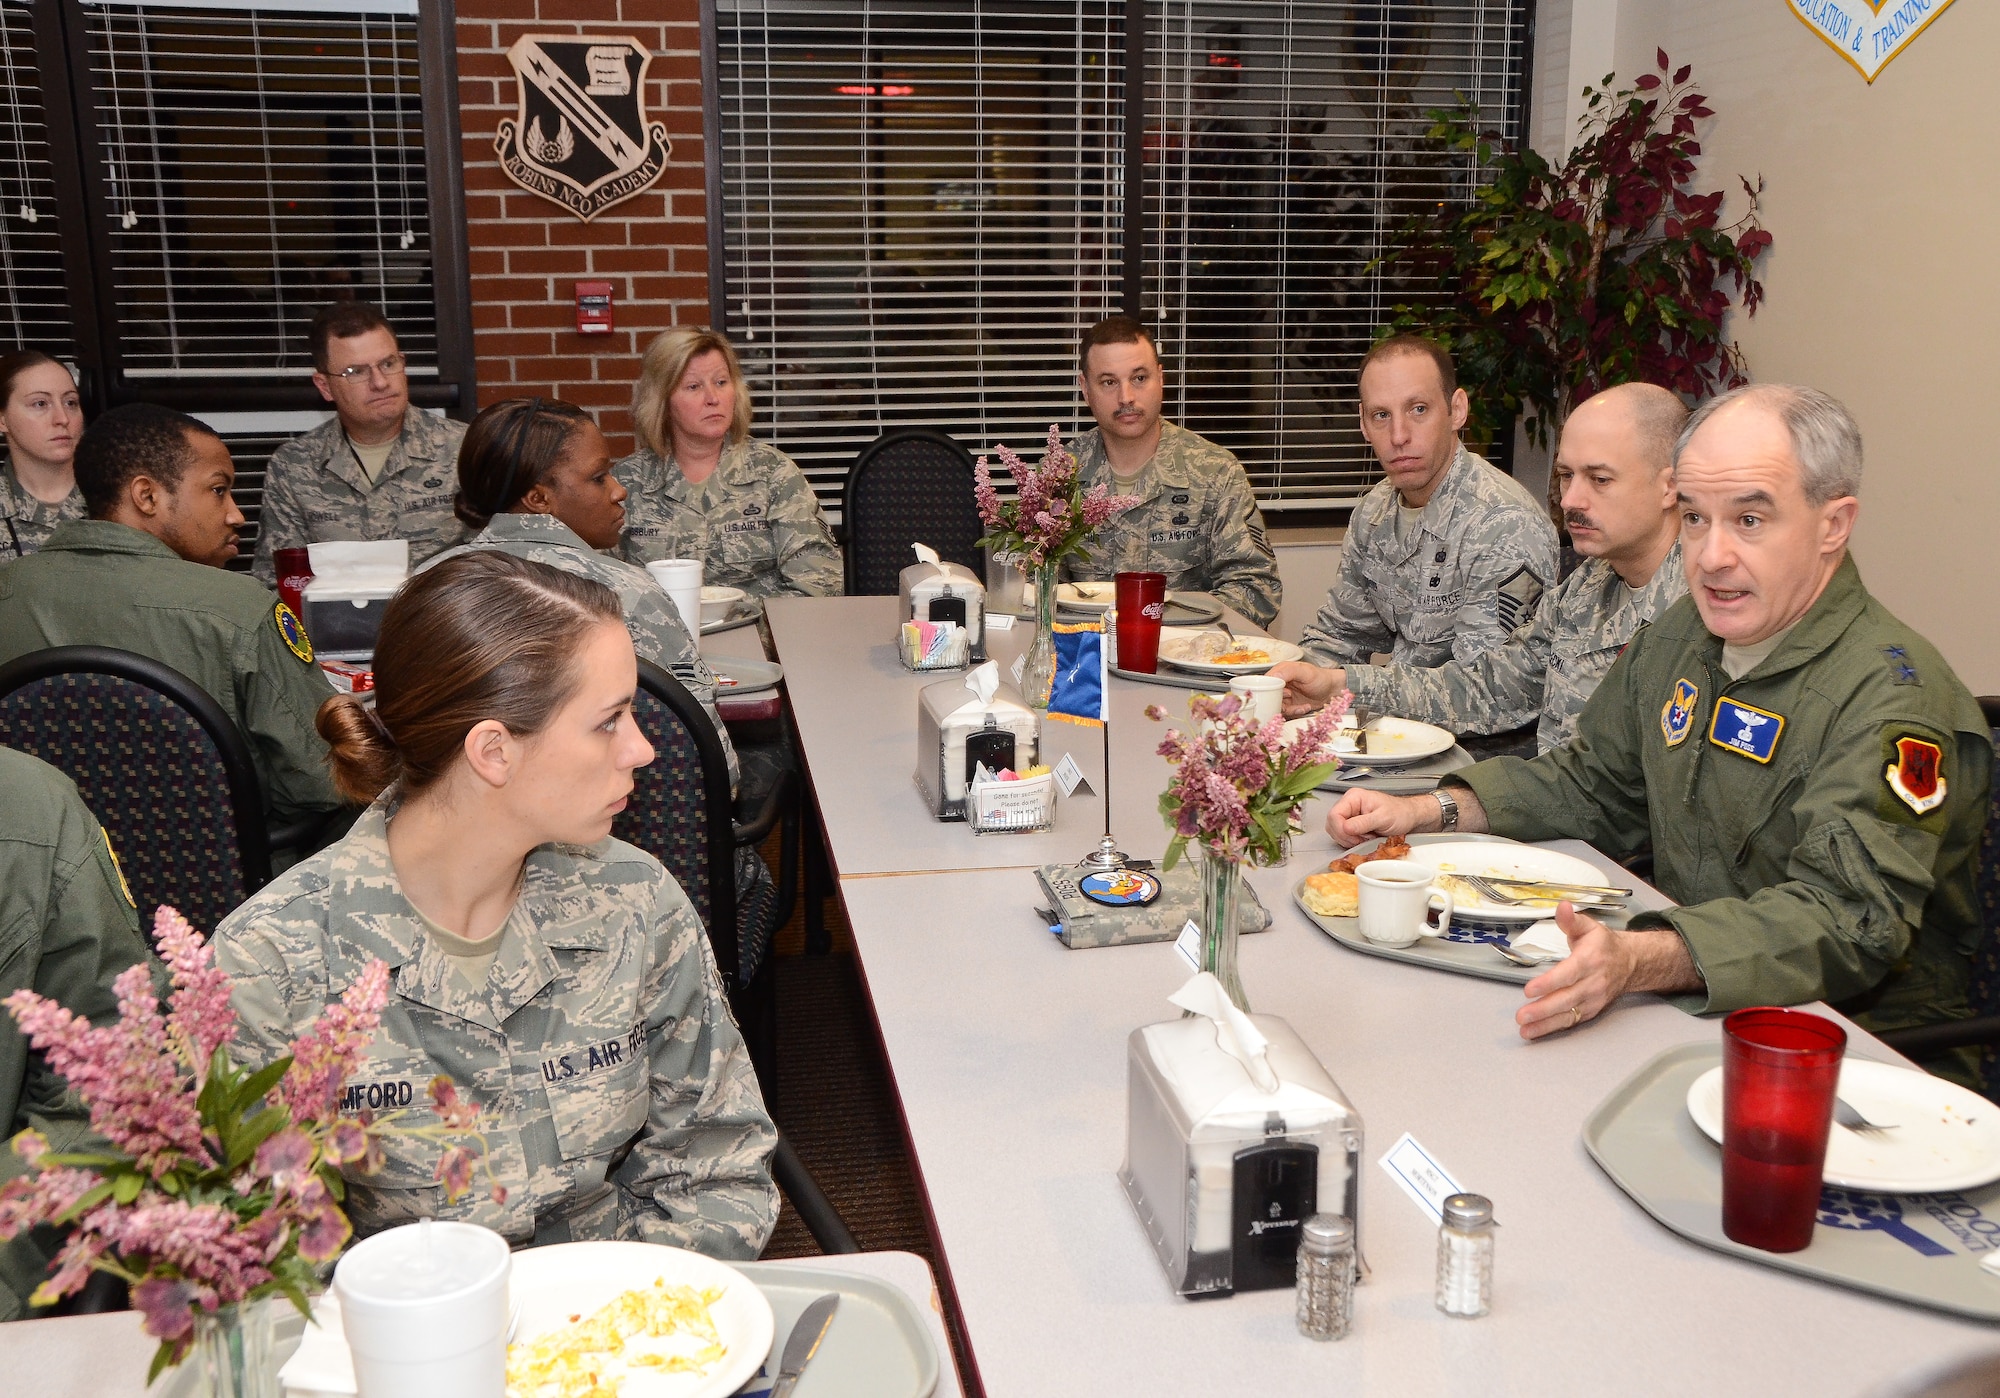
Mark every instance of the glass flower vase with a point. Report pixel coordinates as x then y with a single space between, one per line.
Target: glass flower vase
232 1345
1038 673
1221 897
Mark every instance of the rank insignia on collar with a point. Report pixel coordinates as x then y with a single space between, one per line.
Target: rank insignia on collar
292 633
1745 729
1900 669
1917 775
1677 717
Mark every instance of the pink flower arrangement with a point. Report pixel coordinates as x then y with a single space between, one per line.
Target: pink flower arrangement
219 1185
1237 784
1051 515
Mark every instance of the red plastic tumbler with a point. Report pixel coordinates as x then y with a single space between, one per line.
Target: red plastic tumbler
1780 1069
294 569
1142 601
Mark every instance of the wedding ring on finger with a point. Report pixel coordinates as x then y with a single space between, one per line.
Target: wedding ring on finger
1575 1015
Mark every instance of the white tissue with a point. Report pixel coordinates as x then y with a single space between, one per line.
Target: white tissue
926 554
1234 1033
1543 940
358 565
984 682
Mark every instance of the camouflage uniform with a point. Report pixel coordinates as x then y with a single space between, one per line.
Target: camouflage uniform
1551 665
315 491
658 633
67 929
103 584
25 522
754 524
1459 583
618 1099
1800 870
1200 524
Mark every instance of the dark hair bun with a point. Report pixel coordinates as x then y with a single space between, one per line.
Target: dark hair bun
359 754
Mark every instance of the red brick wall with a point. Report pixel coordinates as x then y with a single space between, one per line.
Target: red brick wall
527 253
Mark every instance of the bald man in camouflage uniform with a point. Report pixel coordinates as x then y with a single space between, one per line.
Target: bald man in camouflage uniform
618 1098
754 524
1199 523
1615 464
381 469
658 633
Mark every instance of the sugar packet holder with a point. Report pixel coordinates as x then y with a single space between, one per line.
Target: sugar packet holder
1025 804
934 645
932 591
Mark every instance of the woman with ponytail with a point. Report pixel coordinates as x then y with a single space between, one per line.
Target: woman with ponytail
558 976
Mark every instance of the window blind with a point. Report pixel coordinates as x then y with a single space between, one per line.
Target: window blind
923 203
37 313
258 163
1283 147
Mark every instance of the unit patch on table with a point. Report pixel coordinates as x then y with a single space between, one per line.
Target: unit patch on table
1745 729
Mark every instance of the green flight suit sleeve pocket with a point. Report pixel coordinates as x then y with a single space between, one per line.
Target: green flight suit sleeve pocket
1882 884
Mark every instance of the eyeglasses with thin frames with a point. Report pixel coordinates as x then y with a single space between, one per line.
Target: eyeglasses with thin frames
387 368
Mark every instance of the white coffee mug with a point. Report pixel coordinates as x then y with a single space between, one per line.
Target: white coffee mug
1262 695
1396 898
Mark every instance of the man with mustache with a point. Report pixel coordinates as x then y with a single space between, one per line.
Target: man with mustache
381 469
144 573
1615 466
1810 775
1200 524
1446 558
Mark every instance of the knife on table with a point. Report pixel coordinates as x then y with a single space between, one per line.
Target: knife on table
807 1332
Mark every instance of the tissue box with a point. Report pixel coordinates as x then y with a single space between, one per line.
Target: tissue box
351 587
921 584
1223 1188
947 715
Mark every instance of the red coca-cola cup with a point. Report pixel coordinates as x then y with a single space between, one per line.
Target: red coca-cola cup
1780 1069
295 570
1142 601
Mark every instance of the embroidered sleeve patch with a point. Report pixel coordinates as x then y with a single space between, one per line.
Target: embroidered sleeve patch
1516 598
1915 774
292 633
1745 729
1677 717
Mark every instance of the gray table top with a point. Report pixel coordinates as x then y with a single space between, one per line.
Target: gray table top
856 711
1009 1054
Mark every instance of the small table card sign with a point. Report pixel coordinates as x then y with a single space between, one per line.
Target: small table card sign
1418 1174
1027 804
1070 776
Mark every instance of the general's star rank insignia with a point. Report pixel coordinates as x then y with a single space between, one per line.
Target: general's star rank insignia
292 633
1745 729
1677 716
1917 775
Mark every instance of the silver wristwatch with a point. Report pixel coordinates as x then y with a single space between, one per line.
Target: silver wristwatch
1447 810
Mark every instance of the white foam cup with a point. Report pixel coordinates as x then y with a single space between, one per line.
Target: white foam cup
680 578
1262 695
1396 898
424 1307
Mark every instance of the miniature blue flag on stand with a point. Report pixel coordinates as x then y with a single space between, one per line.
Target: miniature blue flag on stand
1081 684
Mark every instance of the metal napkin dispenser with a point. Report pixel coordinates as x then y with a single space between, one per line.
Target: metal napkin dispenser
1225 1170
964 723
933 590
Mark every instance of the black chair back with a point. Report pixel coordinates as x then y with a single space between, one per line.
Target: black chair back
1986 961
158 762
680 810
910 486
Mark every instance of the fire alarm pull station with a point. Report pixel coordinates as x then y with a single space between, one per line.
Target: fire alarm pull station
593 308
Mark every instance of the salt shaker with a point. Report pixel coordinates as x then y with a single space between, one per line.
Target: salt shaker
1326 1277
1465 1256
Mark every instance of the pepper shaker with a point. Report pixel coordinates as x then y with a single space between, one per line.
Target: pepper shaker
1326 1277
1465 1256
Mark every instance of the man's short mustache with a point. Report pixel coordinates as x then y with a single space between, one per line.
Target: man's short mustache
1572 519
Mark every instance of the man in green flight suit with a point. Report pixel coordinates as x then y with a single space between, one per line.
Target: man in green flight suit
1810 775
145 574
67 929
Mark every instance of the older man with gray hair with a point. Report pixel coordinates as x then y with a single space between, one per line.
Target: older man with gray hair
1810 775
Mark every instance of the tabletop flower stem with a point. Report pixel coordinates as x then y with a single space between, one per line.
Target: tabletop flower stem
1221 897
1038 674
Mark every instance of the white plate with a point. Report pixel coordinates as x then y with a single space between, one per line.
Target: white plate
1505 861
1086 596
750 676
1946 1138
1187 650
553 1283
1392 742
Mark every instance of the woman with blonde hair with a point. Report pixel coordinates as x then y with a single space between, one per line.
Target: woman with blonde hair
701 487
559 976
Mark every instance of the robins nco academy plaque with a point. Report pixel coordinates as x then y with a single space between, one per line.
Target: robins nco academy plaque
580 138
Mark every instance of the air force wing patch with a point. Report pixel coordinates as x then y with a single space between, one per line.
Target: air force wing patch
1745 729
581 137
1677 715
1916 775
1516 598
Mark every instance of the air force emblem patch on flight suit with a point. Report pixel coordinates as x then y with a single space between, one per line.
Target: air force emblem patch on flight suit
1677 714
292 634
1745 729
1917 775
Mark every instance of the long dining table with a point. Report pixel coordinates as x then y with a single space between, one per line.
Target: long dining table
1008 1053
